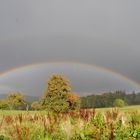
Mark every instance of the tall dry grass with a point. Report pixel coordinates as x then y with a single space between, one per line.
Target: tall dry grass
81 125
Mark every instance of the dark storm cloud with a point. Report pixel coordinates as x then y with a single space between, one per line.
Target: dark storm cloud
105 33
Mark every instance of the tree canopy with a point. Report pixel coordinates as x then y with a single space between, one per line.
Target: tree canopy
15 100
58 96
119 103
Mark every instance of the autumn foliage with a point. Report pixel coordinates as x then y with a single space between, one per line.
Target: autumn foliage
58 96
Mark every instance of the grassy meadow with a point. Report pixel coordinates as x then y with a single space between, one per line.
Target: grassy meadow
92 124
132 108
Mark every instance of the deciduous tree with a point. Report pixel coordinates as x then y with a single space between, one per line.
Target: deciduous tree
58 95
15 100
36 105
119 103
3 105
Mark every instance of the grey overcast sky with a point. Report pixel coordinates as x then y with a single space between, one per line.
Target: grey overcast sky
101 32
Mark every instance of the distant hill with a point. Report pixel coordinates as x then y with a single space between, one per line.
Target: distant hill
31 98
2 96
27 97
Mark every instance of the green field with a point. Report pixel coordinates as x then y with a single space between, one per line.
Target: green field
123 109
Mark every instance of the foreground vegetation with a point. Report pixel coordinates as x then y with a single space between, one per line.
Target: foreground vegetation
107 124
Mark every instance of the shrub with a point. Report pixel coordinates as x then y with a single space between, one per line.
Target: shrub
119 103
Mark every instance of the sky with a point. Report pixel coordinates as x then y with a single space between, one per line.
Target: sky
94 32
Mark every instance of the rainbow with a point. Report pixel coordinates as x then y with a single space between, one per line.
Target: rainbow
88 66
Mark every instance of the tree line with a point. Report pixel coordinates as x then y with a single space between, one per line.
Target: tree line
108 99
58 97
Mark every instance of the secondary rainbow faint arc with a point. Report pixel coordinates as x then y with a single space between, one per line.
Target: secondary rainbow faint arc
30 66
